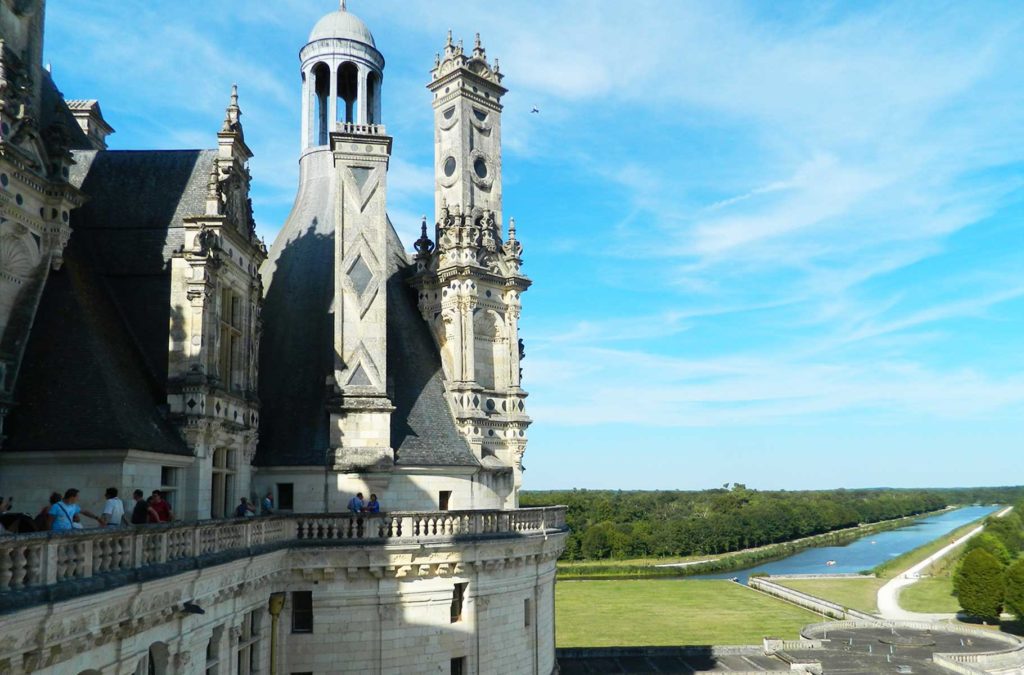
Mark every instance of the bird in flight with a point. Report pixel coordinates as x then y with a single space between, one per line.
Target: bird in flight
535 110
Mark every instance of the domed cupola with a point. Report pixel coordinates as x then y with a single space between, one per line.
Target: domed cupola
342 73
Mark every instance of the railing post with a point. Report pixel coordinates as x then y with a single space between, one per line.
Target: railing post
49 572
162 554
87 558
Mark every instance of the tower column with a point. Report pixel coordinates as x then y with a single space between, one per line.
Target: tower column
307 116
332 97
362 104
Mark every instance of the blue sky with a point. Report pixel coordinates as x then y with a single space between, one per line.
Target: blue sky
774 243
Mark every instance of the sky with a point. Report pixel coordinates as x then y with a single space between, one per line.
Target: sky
780 244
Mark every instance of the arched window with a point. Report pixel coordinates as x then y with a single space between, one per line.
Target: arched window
322 92
348 91
490 359
373 98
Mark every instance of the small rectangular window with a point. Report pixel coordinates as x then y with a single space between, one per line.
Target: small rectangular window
459 666
286 496
458 596
527 613
302 611
443 497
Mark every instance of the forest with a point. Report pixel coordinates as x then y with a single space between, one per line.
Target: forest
633 524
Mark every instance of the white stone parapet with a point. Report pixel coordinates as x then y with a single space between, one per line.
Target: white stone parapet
361 129
42 559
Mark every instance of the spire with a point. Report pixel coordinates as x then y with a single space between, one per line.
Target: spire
423 245
233 114
478 48
344 6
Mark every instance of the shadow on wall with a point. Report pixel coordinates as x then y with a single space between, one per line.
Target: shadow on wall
295 352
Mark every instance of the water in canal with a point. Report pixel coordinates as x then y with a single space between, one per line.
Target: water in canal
866 552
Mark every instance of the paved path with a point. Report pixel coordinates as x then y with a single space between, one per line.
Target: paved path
888 595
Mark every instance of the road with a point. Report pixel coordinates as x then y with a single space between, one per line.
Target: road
888 595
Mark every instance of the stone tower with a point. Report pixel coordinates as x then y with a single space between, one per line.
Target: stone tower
469 277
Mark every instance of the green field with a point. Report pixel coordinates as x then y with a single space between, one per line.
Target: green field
933 596
860 593
685 612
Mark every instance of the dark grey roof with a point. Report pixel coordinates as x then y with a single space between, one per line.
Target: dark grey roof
296 358
94 374
423 430
54 111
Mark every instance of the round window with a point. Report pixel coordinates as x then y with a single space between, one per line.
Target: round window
480 166
449 166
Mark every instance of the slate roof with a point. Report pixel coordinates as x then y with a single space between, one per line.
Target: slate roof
296 356
94 374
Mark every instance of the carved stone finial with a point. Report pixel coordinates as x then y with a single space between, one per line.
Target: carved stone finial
423 245
478 48
344 6
449 42
233 114
512 229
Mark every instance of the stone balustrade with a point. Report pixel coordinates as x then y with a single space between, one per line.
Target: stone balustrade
46 559
361 129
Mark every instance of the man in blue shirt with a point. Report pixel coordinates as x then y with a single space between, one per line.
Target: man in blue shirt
355 505
64 514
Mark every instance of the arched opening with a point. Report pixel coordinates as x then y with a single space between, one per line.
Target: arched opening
373 98
490 359
322 93
157 661
348 91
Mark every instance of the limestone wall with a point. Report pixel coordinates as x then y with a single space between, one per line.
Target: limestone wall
384 608
395 491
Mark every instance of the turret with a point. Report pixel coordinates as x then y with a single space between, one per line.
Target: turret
342 73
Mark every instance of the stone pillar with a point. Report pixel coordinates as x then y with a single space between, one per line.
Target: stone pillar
304 122
361 412
332 97
361 102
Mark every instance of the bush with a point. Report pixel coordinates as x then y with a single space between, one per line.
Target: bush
992 544
980 585
1015 589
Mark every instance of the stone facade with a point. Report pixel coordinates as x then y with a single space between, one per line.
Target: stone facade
138 306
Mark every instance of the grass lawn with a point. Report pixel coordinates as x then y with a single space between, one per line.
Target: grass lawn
859 594
933 595
657 612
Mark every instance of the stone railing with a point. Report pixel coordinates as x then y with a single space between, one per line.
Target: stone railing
33 561
361 129
806 600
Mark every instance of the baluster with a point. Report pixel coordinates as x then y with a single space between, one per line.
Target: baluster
6 568
19 568
34 565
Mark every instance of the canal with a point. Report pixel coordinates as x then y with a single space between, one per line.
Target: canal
866 552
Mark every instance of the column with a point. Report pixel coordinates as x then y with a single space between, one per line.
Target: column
332 106
306 115
361 102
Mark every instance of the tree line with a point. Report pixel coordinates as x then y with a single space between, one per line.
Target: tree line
609 524
989 577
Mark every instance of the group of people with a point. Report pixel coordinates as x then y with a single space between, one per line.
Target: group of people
65 514
246 508
357 505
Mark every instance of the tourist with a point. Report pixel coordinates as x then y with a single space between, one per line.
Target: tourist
43 517
64 515
244 509
161 507
355 505
113 510
267 506
372 506
142 512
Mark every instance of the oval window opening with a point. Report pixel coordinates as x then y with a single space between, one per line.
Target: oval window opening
480 166
449 166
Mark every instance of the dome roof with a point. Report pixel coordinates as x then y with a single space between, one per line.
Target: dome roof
342 24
